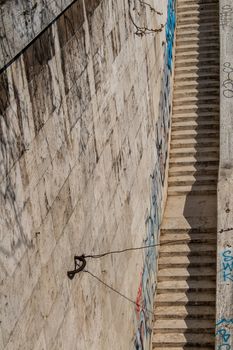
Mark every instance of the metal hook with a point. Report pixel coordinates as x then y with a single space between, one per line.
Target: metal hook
77 268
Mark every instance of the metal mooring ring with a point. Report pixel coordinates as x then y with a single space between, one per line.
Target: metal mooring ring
77 268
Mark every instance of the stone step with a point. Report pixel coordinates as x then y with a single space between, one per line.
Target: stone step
185 312
193 160
195 33
205 53
182 40
187 237
201 224
198 20
187 62
188 261
192 189
191 285
190 180
197 75
196 100
187 326
190 85
199 168
185 298
197 17
192 104
192 46
196 93
195 124
185 228
192 108
160 341
211 142
196 116
183 273
195 37
196 7
195 26
193 151
197 11
188 134
192 25
195 22
195 72
197 106
191 249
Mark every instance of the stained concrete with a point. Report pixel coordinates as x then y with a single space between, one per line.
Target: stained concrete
84 136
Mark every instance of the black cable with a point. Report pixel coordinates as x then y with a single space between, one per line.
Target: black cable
98 256
80 268
119 293
122 295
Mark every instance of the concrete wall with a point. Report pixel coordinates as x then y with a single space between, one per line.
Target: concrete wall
85 120
224 328
21 21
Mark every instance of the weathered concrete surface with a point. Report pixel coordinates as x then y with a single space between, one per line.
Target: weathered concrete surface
21 21
224 329
84 137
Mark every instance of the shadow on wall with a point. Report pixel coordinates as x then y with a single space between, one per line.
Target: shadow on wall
146 290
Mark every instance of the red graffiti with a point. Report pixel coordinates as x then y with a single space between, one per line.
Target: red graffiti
139 298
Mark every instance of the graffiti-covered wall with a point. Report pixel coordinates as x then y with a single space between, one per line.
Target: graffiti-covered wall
84 128
224 305
147 287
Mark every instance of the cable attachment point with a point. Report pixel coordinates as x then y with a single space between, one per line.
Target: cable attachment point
77 267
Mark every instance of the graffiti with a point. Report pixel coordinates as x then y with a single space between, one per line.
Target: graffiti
228 82
163 126
146 290
139 298
170 30
226 16
223 334
224 320
227 265
147 287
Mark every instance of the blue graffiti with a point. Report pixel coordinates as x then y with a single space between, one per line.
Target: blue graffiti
224 320
170 31
224 334
227 265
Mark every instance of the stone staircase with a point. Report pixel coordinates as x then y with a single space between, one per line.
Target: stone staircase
184 310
